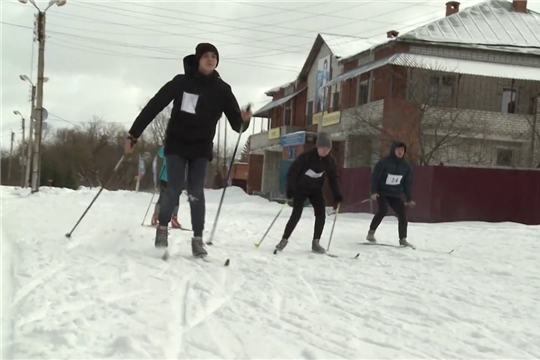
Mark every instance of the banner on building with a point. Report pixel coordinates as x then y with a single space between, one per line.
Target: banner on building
323 76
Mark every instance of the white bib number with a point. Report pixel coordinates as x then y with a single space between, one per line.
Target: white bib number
393 179
189 102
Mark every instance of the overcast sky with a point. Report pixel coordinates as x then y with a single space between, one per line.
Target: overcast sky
108 58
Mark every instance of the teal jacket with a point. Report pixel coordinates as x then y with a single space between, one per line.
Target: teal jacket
163 171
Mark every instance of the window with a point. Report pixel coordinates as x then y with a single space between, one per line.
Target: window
363 93
509 100
309 113
335 101
288 114
505 157
441 90
532 106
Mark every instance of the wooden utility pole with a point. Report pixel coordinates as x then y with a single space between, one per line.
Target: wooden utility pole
30 149
39 102
10 157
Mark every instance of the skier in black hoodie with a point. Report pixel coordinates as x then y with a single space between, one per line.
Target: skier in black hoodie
199 97
305 180
391 178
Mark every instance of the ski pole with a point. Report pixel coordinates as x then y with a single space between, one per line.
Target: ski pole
68 235
333 225
152 198
271 225
360 202
210 241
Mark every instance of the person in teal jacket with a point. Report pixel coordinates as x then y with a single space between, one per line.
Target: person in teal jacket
163 186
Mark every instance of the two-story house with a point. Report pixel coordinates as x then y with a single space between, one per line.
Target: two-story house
461 90
295 113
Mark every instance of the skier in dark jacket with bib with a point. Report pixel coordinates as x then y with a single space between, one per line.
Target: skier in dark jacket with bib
200 97
391 178
305 180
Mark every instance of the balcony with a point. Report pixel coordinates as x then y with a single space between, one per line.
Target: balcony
269 140
358 120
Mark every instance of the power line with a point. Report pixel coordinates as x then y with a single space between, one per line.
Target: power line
203 33
265 53
166 50
153 48
298 48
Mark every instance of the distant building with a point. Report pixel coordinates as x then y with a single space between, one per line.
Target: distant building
462 90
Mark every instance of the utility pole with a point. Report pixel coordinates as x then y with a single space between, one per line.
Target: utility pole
39 102
40 24
10 157
30 153
22 159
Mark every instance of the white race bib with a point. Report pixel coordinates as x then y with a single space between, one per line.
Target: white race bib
312 174
189 102
393 179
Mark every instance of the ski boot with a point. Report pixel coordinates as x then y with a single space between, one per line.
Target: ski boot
371 236
162 235
316 247
197 247
282 244
404 243
174 222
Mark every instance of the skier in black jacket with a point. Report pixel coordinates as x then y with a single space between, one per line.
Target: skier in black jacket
200 97
305 180
391 178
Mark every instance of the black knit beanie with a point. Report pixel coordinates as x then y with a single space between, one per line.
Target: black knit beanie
203 48
324 140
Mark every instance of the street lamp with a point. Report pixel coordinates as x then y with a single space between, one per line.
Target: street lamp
39 88
51 3
22 162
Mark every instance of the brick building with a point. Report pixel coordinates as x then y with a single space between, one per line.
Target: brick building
462 90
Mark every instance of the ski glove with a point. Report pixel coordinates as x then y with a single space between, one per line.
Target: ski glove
289 194
338 199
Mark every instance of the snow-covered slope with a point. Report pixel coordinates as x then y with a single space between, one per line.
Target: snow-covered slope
103 294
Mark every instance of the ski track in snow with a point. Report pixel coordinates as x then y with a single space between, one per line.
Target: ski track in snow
105 293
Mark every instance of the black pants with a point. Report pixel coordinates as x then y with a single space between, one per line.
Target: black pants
176 176
398 206
317 201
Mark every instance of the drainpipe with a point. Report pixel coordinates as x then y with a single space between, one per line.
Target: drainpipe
533 135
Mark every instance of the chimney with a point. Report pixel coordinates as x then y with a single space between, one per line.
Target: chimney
452 7
520 6
392 34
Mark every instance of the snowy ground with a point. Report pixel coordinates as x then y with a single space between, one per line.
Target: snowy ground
102 294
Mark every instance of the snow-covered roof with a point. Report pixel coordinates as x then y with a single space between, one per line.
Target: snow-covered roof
449 65
491 24
277 88
264 111
345 47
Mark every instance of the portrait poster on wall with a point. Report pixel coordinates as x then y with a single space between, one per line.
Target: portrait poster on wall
323 75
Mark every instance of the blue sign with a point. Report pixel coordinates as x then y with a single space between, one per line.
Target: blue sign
291 152
297 138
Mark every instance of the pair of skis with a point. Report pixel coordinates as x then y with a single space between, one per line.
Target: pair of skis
406 246
166 256
327 254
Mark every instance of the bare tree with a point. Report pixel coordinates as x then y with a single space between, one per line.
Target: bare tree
426 117
245 152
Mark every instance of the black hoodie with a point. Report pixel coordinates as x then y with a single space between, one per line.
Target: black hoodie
392 176
307 173
198 103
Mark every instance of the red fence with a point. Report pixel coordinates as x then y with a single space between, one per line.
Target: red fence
445 194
